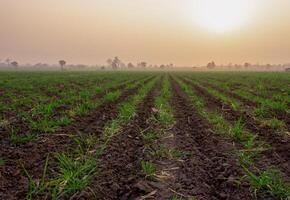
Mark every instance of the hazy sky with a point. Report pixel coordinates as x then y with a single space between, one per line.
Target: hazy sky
157 31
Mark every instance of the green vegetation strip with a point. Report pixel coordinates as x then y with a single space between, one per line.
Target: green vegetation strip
265 119
45 101
156 147
75 171
268 181
80 110
162 103
269 91
165 118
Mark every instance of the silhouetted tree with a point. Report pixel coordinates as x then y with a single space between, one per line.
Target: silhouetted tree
247 65
8 62
116 63
62 64
142 64
211 65
14 64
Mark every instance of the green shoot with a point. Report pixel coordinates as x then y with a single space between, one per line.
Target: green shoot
36 188
270 182
112 96
2 162
74 175
237 130
148 168
150 136
275 123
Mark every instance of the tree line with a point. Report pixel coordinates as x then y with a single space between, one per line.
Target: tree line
112 63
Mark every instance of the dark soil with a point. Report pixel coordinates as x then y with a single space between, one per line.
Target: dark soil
279 153
23 127
118 87
250 104
31 156
119 168
245 101
209 170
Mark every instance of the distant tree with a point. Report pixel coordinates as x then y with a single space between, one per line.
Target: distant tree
62 63
8 62
116 63
247 65
211 65
14 64
142 64
130 65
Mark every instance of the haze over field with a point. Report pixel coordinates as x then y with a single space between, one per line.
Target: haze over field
189 32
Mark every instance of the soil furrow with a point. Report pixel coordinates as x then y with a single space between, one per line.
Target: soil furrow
245 101
278 155
20 124
118 87
209 170
250 104
119 165
13 183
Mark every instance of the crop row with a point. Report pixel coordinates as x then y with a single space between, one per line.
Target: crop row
36 112
271 112
251 148
73 170
159 136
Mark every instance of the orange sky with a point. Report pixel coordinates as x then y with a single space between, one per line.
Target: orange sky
157 31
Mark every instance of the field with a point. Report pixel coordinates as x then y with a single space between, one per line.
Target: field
144 135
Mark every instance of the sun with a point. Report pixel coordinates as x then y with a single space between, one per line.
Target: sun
223 15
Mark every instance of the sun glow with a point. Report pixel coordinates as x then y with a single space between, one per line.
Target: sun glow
223 15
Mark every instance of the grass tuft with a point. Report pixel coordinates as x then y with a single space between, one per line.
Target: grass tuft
2 162
74 175
150 136
237 131
164 151
269 181
112 96
148 168
36 188
275 123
